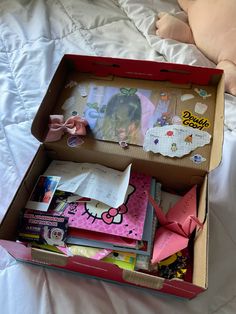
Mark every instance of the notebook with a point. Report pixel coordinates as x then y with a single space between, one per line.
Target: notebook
96 239
126 221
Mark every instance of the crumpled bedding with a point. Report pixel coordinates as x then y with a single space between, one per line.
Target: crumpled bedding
34 35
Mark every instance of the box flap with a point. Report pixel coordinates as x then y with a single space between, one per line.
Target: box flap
39 126
218 132
142 70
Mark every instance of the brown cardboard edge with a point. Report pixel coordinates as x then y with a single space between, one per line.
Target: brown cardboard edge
112 155
200 255
40 123
11 217
218 133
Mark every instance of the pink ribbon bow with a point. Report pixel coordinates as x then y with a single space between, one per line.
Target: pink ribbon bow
74 125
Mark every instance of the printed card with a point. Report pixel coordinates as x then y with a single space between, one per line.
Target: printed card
42 228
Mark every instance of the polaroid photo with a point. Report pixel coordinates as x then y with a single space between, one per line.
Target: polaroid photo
42 193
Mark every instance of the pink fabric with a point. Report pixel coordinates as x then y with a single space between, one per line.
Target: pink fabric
74 125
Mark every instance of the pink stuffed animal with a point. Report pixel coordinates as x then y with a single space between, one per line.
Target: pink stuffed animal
211 25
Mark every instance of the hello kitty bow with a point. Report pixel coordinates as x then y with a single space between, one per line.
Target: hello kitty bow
74 125
109 216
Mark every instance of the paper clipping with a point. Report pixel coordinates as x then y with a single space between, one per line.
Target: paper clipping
174 140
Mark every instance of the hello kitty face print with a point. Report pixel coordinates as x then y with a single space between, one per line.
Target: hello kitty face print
109 215
126 220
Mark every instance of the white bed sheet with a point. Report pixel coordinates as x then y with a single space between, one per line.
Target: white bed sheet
34 35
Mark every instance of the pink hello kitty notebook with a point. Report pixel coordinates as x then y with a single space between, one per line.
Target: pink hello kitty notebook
125 221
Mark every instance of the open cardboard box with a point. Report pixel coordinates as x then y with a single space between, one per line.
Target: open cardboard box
174 173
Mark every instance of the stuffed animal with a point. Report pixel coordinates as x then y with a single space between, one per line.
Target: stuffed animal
211 25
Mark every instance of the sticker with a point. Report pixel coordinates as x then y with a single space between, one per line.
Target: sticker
202 92
185 97
165 119
200 108
197 159
176 120
74 141
123 144
189 139
71 84
193 121
69 103
82 90
173 147
169 133
183 140
161 115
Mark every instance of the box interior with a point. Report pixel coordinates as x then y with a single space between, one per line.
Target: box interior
40 164
175 173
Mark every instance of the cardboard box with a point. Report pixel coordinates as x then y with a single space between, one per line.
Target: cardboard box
174 173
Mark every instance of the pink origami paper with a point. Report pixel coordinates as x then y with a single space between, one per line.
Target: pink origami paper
176 226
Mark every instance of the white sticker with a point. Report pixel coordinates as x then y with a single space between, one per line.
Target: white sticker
176 120
200 108
82 90
174 140
185 97
202 92
69 103
197 159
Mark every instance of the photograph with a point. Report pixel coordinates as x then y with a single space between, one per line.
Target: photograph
43 192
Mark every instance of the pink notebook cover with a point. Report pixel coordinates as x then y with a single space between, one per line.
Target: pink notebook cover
126 221
101 237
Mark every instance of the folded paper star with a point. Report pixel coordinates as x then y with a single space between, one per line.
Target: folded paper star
176 226
74 125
